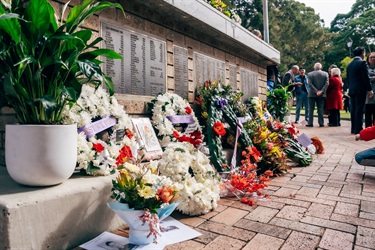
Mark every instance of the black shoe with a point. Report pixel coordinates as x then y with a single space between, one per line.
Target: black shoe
320 126
296 122
309 125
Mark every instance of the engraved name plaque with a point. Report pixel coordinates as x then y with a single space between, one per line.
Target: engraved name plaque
233 76
249 83
142 70
180 64
208 68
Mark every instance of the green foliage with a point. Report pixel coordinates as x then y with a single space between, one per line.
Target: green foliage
44 64
277 102
297 153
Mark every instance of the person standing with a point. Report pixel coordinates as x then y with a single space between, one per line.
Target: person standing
301 90
370 102
288 77
334 98
358 84
272 77
318 84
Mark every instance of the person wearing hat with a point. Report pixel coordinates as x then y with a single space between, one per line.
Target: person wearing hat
301 90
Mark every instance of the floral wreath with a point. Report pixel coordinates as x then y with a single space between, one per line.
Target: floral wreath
95 154
191 168
167 106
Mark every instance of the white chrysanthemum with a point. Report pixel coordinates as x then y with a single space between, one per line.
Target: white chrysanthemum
199 193
98 104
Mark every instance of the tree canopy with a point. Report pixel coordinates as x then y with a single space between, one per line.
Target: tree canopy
299 33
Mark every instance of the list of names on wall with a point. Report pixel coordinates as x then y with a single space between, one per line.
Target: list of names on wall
233 75
142 70
249 83
208 68
180 64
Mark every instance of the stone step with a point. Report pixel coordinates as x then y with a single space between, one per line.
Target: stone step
58 217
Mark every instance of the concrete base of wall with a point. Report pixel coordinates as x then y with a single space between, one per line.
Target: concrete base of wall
58 217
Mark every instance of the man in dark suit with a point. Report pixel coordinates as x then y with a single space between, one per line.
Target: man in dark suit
318 84
358 85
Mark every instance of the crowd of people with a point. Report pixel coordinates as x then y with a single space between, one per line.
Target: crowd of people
325 91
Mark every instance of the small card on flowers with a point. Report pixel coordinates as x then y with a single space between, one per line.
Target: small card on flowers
147 139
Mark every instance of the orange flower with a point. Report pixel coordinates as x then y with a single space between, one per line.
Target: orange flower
165 194
125 154
268 173
219 129
176 134
128 133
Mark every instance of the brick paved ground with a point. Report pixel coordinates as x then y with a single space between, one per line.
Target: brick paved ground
327 205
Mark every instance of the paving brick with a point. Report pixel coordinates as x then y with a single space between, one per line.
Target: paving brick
313 192
319 177
334 240
291 201
329 224
367 206
337 176
264 242
366 237
299 240
262 214
243 206
270 203
270 230
355 177
229 216
185 245
330 190
371 194
219 228
339 198
320 210
206 236
292 213
359 197
346 209
315 200
352 188
226 202
285 192
297 226
369 216
353 220
225 243
192 221
209 215
361 248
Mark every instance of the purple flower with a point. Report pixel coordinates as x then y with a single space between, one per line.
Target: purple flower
221 103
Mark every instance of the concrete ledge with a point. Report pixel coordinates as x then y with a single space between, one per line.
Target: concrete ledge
58 217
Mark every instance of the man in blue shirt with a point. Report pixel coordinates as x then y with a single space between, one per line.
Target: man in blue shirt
301 90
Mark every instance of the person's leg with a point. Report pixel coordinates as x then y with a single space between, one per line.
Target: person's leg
320 107
298 106
352 109
338 117
372 110
305 101
311 110
331 117
359 106
366 157
368 115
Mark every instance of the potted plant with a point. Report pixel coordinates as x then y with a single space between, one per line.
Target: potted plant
43 65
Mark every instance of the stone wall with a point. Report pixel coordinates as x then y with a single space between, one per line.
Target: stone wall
165 21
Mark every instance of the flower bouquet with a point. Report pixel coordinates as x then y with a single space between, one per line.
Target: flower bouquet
144 198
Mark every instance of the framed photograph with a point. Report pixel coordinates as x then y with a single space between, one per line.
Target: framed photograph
147 139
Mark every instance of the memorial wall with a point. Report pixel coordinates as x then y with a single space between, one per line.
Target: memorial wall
166 48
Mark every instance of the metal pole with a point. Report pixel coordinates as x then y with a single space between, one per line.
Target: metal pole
265 21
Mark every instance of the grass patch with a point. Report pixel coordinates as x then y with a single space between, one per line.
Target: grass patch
343 114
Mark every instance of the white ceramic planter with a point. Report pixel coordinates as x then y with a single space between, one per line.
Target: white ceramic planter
40 155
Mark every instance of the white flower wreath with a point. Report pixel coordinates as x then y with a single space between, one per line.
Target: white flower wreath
169 104
96 156
188 166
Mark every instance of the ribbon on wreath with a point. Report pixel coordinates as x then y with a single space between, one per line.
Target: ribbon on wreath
98 126
181 119
234 157
105 158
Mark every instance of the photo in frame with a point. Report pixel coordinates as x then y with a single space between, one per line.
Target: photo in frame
147 139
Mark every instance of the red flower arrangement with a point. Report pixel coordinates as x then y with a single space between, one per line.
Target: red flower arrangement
219 129
125 154
98 147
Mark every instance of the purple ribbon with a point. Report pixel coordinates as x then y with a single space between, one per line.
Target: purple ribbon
181 119
243 119
238 132
98 126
